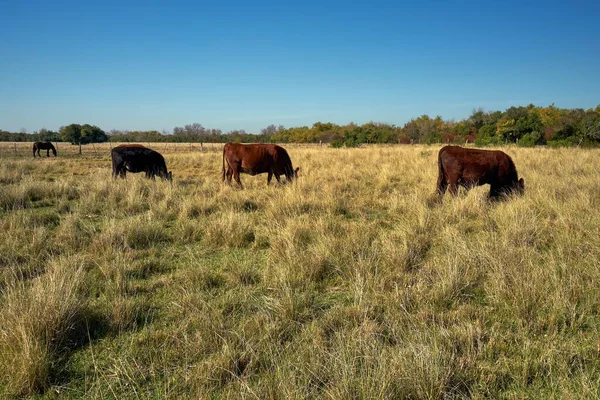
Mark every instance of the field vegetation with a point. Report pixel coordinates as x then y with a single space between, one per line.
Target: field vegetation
526 126
349 283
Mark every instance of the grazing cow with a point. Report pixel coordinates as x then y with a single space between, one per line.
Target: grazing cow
137 158
37 146
254 159
474 167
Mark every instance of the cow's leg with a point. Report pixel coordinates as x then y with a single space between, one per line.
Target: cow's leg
269 177
277 177
236 176
442 185
495 193
453 187
229 175
47 152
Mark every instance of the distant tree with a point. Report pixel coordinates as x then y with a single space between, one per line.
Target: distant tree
71 133
48 135
83 134
269 130
589 126
478 118
425 129
194 129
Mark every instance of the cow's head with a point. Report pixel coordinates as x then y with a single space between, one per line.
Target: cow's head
291 174
168 176
519 187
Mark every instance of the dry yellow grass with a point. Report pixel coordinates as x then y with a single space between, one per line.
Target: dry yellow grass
346 284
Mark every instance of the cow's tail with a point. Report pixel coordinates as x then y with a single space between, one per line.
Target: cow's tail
223 171
116 163
441 181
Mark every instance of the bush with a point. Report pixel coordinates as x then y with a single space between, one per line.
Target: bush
569 142
488 141
531 139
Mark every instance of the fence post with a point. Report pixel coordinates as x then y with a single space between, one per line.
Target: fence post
80 147
15 149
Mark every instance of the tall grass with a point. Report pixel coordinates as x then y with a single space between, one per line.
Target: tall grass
349 283
39 320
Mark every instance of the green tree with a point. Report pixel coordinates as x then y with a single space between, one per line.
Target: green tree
83 134
92 134
589 126
71 133
487 135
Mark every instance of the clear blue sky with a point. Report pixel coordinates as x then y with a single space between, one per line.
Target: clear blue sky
248 64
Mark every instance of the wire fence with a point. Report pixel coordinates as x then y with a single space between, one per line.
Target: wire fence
25 149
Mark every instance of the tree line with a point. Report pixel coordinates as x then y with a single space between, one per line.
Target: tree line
523 125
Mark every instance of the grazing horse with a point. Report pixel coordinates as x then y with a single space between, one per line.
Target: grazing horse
137 158
254 159
37 146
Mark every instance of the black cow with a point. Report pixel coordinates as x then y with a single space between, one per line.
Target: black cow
137 158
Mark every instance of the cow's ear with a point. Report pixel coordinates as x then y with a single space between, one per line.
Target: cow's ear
297 169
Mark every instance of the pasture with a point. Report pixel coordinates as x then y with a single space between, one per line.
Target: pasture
349 283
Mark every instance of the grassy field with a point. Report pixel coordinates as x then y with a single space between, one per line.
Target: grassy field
349 283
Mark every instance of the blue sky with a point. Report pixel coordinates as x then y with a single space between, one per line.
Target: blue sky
245 65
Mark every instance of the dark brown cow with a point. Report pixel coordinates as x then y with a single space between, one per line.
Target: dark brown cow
254 159
474 167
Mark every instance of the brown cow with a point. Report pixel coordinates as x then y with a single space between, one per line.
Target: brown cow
254 159
474 167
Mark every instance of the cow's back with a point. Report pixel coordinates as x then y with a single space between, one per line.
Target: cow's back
252 158
137 157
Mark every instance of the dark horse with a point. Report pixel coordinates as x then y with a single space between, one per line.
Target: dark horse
37 146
